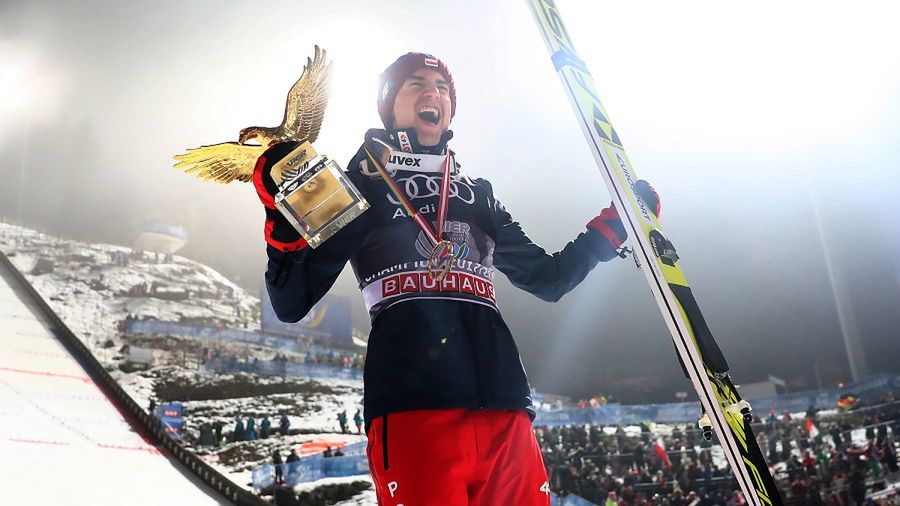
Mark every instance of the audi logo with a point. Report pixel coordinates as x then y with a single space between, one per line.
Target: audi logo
420 186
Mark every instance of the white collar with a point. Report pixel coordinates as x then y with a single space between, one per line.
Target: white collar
416 162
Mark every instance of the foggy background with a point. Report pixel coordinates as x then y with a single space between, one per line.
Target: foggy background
753 123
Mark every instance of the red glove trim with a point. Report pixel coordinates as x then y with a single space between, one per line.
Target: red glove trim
267 200
297 245
600 224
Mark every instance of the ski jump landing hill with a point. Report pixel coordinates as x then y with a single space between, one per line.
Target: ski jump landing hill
69 434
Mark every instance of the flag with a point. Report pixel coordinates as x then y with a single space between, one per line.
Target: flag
811 428
661 451
847 401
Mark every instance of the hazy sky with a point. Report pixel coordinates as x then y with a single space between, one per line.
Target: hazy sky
739 115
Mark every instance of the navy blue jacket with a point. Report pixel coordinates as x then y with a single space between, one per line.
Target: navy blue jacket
433 345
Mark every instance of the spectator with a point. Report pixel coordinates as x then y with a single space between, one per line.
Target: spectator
264 427
857 485
338 452
327 453
218 428
836 436
238 434
586 461
207 437
284 425
887 455
358 420
809 464
292 462
611 499
342 421
251 428
277 463
811 413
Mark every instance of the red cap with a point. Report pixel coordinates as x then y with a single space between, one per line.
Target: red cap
393 76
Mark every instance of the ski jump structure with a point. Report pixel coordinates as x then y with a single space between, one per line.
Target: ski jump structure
146 425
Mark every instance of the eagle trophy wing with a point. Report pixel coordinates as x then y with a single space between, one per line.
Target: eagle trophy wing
303 113
307 99
223 163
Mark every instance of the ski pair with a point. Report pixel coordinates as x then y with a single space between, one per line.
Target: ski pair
724 412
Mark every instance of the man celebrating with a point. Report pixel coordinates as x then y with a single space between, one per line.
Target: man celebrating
447 405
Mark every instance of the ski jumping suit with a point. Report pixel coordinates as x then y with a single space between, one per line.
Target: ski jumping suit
447 405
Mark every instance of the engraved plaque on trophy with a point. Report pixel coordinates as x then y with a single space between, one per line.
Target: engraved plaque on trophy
315 195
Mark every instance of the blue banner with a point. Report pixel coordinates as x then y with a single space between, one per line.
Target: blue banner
621 414
262 477
871 387
569 500
329 319
171 418
315 467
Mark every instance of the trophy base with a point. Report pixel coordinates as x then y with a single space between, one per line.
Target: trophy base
337 223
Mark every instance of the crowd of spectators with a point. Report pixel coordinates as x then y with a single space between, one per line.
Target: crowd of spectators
340 359
212 434
251 429
609 466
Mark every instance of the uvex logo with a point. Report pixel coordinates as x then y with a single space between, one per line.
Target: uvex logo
295 159
406 160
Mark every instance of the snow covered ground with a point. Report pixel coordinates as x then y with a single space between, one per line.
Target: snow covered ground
61 440
93 287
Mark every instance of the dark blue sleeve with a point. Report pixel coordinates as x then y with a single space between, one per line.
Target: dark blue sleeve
529 267
296 280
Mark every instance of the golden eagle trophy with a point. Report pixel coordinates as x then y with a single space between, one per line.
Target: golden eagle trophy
314 194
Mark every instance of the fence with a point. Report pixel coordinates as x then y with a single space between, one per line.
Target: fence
316 467
352 463
274 341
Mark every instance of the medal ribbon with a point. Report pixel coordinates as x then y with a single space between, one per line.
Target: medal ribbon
443 199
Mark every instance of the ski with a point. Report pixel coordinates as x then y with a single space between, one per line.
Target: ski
724 412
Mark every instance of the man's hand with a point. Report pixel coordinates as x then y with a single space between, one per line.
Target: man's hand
610 225
280 234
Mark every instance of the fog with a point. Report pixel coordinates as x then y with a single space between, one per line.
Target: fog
741 117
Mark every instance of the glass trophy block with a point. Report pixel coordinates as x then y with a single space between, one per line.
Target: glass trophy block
316 197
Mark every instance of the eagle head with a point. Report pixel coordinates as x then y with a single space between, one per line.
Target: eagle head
247 134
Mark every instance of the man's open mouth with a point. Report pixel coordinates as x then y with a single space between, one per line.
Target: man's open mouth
430 114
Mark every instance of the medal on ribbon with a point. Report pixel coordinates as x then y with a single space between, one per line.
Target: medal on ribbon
443 251
443 255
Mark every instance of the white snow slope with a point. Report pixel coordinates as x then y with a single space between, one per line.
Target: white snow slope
61 439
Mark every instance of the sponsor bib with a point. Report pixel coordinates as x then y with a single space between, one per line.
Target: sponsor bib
398 160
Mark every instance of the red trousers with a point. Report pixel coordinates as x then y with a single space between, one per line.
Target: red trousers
457 457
